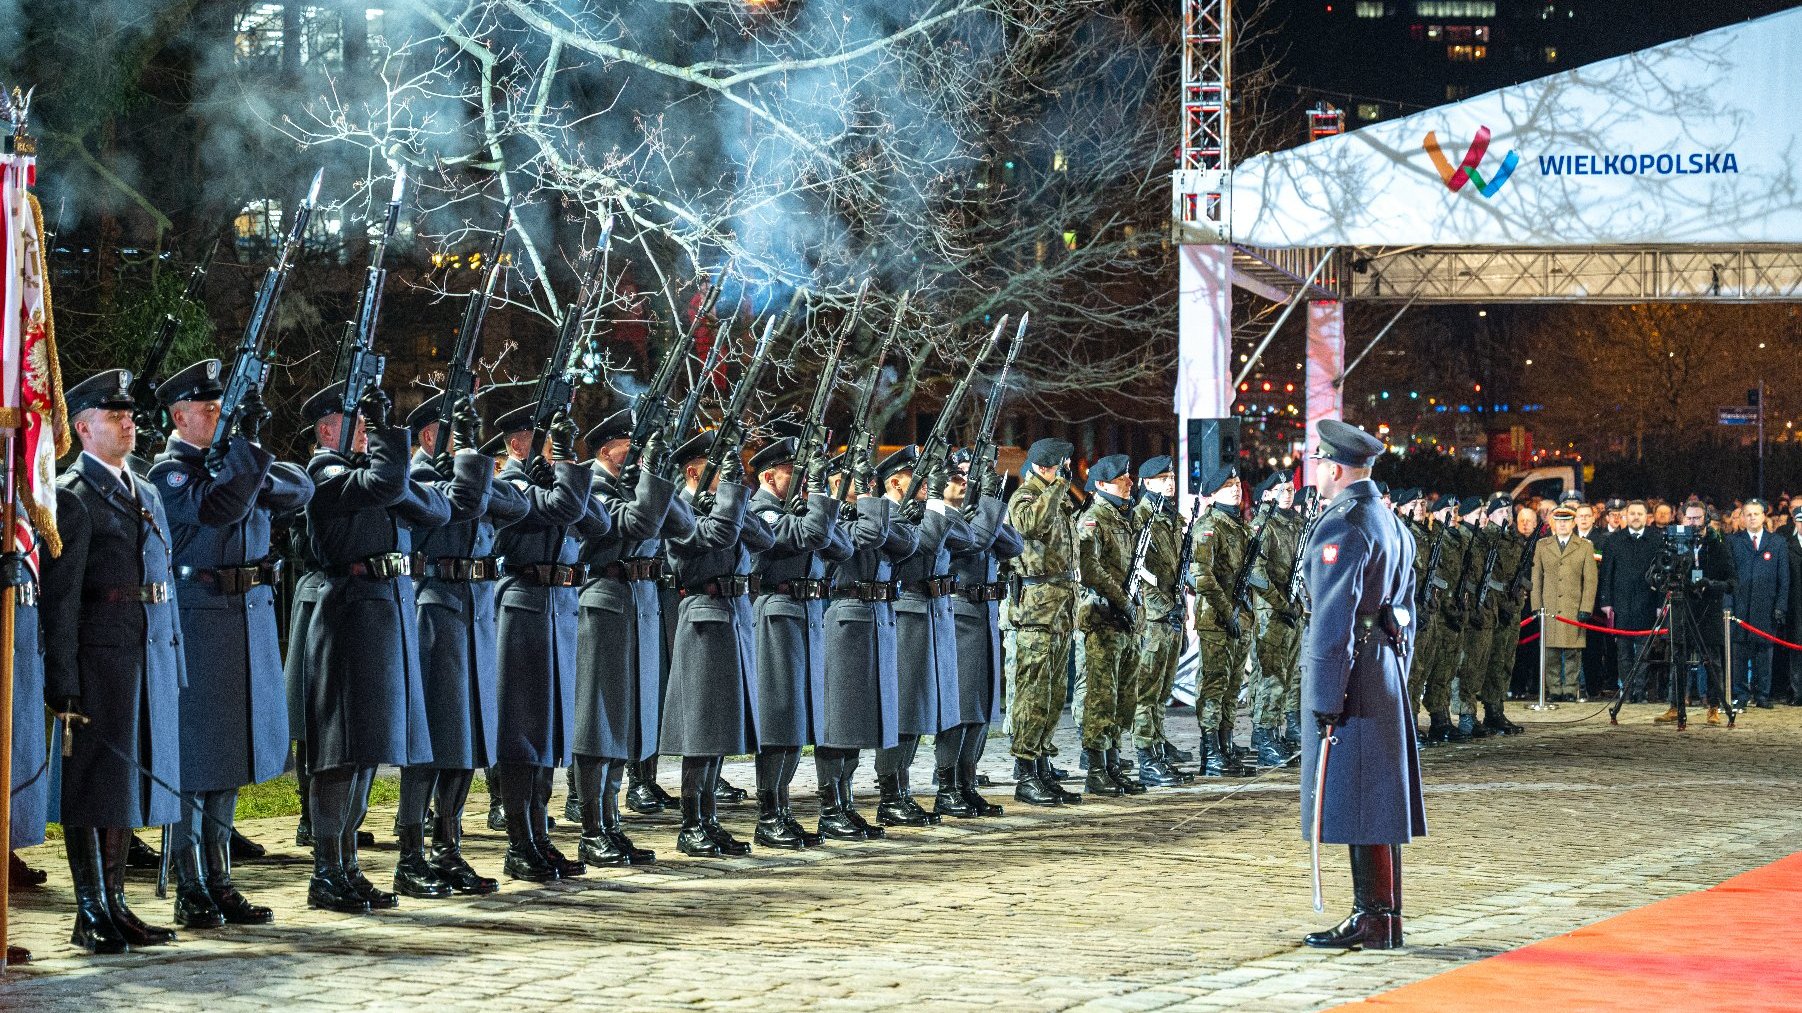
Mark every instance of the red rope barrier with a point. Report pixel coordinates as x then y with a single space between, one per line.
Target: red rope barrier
1524 623
1524 641
1775 640
1615 632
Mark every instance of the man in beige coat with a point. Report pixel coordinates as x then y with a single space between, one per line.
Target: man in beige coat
1564 584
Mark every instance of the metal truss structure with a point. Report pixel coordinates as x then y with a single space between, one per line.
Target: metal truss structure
1200 191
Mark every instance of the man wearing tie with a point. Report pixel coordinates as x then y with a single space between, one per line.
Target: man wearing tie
1761 598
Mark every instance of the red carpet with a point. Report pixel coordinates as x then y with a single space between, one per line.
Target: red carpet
1732 947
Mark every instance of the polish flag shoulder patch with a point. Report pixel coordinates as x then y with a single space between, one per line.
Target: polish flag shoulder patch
1329 553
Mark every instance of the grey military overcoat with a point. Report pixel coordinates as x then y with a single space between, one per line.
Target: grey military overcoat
791 635
992 540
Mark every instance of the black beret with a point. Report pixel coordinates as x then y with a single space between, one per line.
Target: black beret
427 412
1500 501
1049 452
1159 465
900 459
699 445
1470 504
1383 489
109 389
1109 468
1346 444
1405 496
328 401
199 382
1214 478
516 421
1270 482
777 453
613 427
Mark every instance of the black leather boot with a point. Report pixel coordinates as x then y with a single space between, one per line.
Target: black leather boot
94 928
597 846
730 846
572 802
1497 721
951 800
115 845
1292 733
497 808
610 821
725 792
966 783
692 839
1048 777
809 839
1174 756
447 857
244 849
1235 756
1030 788
848 801
1373 891
140 855
1155 771
1098 782
567 868
897 808
194 907
1116 769
303 831
1270 753
329 889
238 909
835 824
643 796
524 860
378 898
772 831
1213 761
414 874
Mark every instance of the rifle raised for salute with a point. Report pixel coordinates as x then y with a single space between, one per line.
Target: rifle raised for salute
811 445
1484 581
691 405
460 380
730 436
938 443
1298 577
148 413
359 368
1186 558
984 452
250 369
651 411
557 384
1241 590
1518 585
860 441
1435 550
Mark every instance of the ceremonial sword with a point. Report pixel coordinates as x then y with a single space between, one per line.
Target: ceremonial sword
1326 745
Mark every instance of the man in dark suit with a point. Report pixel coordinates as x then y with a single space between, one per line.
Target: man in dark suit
1790 688
113 662
1760 597
1623 594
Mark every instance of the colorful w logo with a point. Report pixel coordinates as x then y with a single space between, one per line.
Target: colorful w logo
1467 169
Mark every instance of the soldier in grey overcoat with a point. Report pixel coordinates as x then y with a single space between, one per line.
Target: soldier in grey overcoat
1354 679
925 633
790 613
710 709
976 609
537 632
234 717
113 662
30 746
365 694
618 639
457 574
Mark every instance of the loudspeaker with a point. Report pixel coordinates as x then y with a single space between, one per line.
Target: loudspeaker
1213 443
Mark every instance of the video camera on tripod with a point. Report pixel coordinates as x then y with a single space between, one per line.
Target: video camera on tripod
1677 569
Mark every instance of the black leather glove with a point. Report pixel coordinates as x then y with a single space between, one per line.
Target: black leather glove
704 501
1323 720
1231 623
816 474
441 465
539 471
1583 617
376 406
563 437
936 480
467 425
913 511
860 471
991 484
654 448
252 415
215 456
732 469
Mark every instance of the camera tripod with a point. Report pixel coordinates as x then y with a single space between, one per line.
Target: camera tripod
1681 633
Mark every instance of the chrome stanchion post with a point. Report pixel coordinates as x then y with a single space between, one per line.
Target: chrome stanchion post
1543 632
1727 700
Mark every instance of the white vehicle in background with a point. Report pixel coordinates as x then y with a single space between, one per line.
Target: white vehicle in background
1550 482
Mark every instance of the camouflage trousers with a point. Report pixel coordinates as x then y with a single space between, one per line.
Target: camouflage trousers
1222 671
1160 647
1106 686
1041 663
1502 652
1426 648
1473 671
1442 667
1277 688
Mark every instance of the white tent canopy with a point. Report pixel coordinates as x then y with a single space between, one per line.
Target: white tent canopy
1690 143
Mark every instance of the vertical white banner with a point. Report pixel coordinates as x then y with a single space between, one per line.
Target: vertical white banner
1326 360
1204 379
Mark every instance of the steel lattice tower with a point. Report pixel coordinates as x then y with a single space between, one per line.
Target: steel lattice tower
1207 114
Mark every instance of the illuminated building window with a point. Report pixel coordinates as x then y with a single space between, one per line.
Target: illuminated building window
1367 9
1453 92
1369 111
1455 8
1466 54
1550 53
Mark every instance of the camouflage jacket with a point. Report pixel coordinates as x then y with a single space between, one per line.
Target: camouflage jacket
1508 563
1161 597
1105 538
1221 539
1276 560
1454 541
1045 573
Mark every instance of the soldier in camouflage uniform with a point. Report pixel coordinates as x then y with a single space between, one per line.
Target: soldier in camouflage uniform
1513 570
1161 614
1042 610
1108 656
1445 623
1221 540
1478 631
1411 507
1276 691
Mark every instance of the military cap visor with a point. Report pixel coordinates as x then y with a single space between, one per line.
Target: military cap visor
1563 513
1109 468
775 455
1049 452
198 382
614 427
1159 465
1346 444
697 447
898 461
496 445
109 389
427 413
516 421
1759 502
329 401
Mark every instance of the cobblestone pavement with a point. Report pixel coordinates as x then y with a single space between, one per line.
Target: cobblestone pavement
1184 898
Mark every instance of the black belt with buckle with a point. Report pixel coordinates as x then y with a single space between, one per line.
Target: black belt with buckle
384 566
1030 581
462 569
634 569
983 593
234 579
735 585
933 587
801 588
550 574
868 591
132 594
15 573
